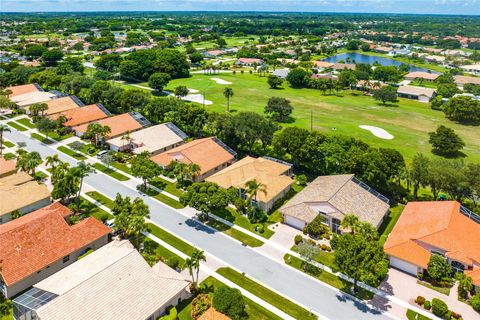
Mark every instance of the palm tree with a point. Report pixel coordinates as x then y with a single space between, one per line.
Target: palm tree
125 137
5 92
253 187
192 170
81 171
350 222
228 93
52 161
28 161
193 264
198 256
3 128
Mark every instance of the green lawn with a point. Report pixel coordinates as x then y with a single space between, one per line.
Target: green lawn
170 239
71 153
16 126
253 310
338 114
234 216
8 144
412 315
41 138
57 137
324 257
426 84
326 277
166 186
8 156
107 202
112 173
153 252
87 148
234 233
443 290
26 122
91 210
122 167
165 199
387 225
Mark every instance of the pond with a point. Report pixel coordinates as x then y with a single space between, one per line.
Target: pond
362 58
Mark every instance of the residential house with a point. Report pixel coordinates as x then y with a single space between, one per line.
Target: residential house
281 73
472 68
154 140
82 115
328 76
24 195
61 104
421 75
119 124
460 81
385 50
211 154
213 53
36 245
7 167
322 65
342 66
27 99
435 227
272 173
332 197
438 59
24 89
212 314
113 282
249 62
416 93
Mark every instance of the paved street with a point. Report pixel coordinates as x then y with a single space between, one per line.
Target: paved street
285 280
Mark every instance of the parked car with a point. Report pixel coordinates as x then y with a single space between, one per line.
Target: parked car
101 154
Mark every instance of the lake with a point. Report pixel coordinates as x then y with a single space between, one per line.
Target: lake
362 58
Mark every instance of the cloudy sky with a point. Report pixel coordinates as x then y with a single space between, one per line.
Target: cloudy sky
471 7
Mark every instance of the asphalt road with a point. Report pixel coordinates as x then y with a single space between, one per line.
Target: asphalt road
290 283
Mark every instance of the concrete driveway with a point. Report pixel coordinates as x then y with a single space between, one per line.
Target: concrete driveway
284 235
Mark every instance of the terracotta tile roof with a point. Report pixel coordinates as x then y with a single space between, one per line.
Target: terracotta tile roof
423 75
118 124
212 314
21 190
23 89
206 152
61 104
7 166
78 116
322 64
38 239
343 194
475 275
267 172
436 223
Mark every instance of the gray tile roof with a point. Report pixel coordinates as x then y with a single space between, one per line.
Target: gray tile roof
341 192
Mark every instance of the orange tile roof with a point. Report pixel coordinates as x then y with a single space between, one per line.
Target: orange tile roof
435 223
212 314
38 239
118 124
81 115
475 275
23 89
60 104
205 152
7 166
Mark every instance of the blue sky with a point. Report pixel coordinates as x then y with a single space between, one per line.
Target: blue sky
375 6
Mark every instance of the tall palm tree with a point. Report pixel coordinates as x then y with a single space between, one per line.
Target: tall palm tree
126 137
228 93
193 264
253 187
81 171
350 222
52 161
3 128
193 170
28 161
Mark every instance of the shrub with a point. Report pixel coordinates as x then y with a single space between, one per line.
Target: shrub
420 275
439 308
230 302
456 315
475 302
420 300
324 247
427 305
171 314
316 228
438 267
298 239
260 228
173 262
102 216
200 304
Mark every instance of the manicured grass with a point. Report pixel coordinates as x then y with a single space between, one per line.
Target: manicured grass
324 257
8 156
41 138
387 225
87 148
16 126
170 239
267 295
445 291
57 137
338 114
154 252
165 199
26 122
166 186
235 217
71 153
234 233
122 167
8 144
91 210
253 310
412 315
101 199
426 84
112 173
326 277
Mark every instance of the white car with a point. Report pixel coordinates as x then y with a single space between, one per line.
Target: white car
101 154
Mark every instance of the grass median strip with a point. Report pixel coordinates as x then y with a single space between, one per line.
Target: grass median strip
234 233
170 239
8 144
165 199
154 252
41 138
26 122
166 186
16 126
101 198
266 294
93 210
112 173
412 315
122 167
71 153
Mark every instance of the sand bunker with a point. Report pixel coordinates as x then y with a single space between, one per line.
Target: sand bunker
220 81
377 132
